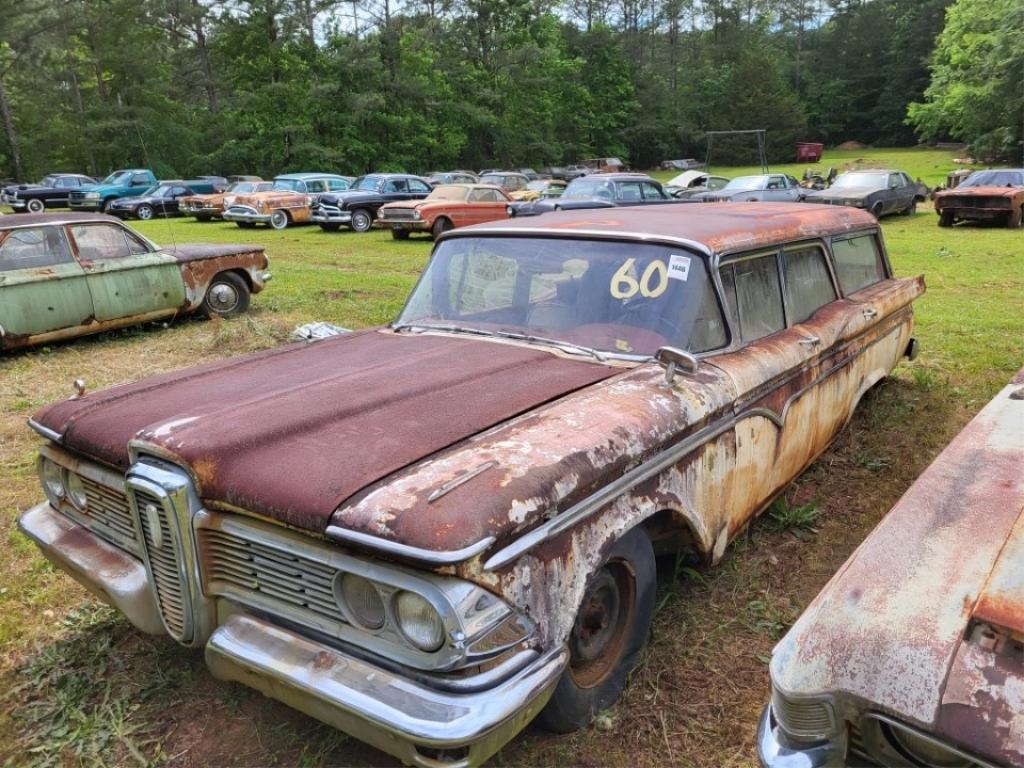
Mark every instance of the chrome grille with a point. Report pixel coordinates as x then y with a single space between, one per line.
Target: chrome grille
271 577
977 202
108 515
398 214
803 717
164 561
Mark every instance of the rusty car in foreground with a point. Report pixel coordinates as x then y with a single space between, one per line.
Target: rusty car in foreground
65 275
913 655
993 195
428 534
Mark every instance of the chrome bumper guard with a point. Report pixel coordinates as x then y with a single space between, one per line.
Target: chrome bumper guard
773 751
110 573
331 216
246 214
392 713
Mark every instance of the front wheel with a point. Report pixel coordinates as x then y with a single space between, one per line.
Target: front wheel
278 220
144 212
35 206
361 221
399 234
246 224
946 219
876 210
226 296
1016 219
611 629
203 217
106 205
441 226
330 227
911 209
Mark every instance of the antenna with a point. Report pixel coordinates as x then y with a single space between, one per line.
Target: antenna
149 162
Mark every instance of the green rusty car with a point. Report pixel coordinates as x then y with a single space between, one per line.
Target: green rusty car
65 275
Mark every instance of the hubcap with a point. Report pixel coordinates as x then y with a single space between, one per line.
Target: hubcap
223 297
35 206
361 221
145 213
602 625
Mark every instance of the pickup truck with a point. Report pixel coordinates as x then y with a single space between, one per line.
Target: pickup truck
130 182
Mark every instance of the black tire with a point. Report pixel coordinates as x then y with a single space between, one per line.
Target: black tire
279 220
35 205
876 210
203 217
144 212
330 227
362 220
610 632
399 234
911 209
441 226
1016 219
105 205
227 295
246 224
946 219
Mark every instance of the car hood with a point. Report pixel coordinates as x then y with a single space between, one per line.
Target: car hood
213 197
334 198
101 188
292 433
844 193
891 629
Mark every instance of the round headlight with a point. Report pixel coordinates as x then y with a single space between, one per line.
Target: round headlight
362 600
416 213
51 476
75 489
419 621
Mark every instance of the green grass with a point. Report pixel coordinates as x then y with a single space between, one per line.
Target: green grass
85 689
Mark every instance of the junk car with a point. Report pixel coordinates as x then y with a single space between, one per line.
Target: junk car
161 200
206 207
288 202
598 190
65 275
768 187
52 192
357 207
994 195
911 655
428 534
446 207
880 192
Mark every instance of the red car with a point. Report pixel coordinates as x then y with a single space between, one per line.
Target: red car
447 207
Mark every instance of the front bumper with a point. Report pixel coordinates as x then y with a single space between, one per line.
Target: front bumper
410 225
977 214
331 216
773 751
405 718
248 215
110 573
202 211
85 205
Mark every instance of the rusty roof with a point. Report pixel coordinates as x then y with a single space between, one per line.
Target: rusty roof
710 227
40 219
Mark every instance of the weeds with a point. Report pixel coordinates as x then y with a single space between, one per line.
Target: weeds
783 516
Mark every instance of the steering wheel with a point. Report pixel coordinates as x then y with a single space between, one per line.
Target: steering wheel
665 326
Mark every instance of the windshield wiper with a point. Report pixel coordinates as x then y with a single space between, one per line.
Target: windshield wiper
565 346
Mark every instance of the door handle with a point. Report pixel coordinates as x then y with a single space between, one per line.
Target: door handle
869 313
810 341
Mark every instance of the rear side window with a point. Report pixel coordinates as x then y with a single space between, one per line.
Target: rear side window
754 296
34 248
808 283
858 263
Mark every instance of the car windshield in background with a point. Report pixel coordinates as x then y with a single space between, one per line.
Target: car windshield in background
747 182
243 187
994 179
449 192
850 180
366 183
48 181
582 296
160 190
120 177
537 186
589 188
289 185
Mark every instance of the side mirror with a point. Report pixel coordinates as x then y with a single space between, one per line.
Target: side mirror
673 359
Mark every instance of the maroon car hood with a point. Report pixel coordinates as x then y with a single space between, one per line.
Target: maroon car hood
293 432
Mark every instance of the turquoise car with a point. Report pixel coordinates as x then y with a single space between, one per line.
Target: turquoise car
130 182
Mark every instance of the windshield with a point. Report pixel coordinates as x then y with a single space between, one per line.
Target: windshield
747 182
160 190
367 183
289 185
994 179
449 192
848 180
118 177
48 181
492 178
537 186
590 188
585 296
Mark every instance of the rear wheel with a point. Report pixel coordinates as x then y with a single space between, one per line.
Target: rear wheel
399 234
362 220
278 220
145 212
946 219
611 629
35 206
226 296
441 226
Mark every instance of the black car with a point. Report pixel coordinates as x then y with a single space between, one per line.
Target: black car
51 192
880 192
161 200
357 206
599 190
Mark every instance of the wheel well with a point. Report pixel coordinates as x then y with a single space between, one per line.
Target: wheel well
670 532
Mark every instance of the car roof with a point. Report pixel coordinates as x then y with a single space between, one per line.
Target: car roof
305 176
709 228
620 175
41 219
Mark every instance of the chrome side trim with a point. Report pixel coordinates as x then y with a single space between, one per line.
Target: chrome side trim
46 432
454 483
425 556
924 735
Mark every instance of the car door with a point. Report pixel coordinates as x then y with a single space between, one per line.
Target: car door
418 190
652 192
775 190
42 287
62 191
124 276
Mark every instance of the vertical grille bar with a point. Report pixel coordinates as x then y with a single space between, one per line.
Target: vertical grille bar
162 543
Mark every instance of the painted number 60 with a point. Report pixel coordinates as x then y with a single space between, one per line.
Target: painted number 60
625 286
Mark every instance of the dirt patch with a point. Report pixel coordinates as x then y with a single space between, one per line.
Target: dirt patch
852 145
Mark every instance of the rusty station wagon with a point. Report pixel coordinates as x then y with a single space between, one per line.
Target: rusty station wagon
428 534
912 654
65 275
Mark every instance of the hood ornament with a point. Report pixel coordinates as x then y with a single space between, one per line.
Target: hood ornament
79 385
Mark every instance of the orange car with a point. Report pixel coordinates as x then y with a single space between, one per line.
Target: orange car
447 207
288 201
206 207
